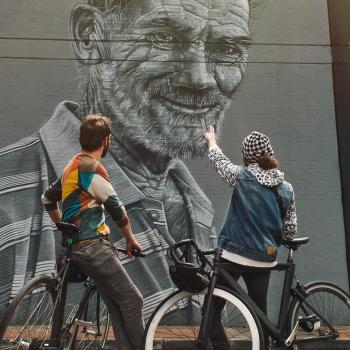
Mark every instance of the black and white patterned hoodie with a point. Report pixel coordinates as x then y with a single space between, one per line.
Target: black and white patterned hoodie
229 173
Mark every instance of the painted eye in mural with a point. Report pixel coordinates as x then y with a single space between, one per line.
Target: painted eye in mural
226 52
163 40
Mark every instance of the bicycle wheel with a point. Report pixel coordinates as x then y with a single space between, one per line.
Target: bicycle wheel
89 328
176 322
27 322
332 303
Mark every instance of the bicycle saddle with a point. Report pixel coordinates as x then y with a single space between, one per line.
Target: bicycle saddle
70 233
295 243
66 227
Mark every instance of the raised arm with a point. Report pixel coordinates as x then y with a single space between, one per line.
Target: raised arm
289 227
227 171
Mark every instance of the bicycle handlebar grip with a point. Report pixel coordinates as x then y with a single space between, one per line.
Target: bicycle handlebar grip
133 253
184 242
141 255
208 252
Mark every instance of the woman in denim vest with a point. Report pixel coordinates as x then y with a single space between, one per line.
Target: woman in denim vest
260 214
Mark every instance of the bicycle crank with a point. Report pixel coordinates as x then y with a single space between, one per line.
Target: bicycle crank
288 342
87 326
36 345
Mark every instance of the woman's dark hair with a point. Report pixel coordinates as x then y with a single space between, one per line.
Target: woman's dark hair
265 163
268 162
93 130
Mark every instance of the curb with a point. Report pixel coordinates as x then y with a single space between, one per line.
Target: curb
242 345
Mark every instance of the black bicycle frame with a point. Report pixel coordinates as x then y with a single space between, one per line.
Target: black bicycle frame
58 313
279 333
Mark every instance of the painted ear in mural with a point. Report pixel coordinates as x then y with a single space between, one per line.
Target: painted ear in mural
84 30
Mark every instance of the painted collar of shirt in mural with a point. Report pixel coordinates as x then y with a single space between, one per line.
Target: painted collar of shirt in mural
267 178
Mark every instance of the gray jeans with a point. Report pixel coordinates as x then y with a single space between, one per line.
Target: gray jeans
124 301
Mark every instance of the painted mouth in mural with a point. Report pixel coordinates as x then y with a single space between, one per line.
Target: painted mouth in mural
186 108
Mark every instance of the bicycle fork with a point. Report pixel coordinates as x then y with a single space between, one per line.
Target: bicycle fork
204 341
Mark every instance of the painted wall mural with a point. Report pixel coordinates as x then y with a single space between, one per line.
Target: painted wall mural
164 70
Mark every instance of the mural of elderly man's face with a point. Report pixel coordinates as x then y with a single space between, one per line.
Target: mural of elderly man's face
168 68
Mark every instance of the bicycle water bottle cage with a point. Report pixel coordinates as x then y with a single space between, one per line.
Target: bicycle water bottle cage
70 233
188 272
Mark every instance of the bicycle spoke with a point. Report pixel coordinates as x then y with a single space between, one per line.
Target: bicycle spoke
91 336
30 319
332 304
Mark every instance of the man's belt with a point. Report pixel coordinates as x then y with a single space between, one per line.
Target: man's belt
88 240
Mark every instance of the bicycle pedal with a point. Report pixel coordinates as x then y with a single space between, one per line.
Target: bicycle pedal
84 323
50 345
310 323
38 345
21 345
93 333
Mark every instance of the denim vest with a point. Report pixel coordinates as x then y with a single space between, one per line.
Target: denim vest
253 223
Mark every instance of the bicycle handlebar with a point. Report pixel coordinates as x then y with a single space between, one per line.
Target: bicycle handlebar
292 245
133 253
179 244
201 253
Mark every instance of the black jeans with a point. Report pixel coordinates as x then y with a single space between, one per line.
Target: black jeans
257 283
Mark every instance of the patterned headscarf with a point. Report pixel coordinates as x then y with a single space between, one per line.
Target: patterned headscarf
255 146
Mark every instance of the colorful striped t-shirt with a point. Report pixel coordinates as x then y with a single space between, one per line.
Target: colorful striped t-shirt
85 190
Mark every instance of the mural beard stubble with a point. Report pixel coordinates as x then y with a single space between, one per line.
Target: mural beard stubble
158 124
164 87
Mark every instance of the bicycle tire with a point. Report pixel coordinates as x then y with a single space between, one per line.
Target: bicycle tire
318 293
94 333
29 316
157 337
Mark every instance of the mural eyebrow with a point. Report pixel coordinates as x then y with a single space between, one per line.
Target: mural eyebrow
242 39
161 20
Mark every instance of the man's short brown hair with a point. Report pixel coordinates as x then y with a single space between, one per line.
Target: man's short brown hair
93 130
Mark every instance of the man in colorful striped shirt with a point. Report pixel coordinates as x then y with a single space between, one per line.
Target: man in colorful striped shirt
85 191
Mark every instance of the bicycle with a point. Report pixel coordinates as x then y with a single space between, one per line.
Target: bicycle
318 311
36 317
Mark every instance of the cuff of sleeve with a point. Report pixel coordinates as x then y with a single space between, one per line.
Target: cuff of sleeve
51 206
213 147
